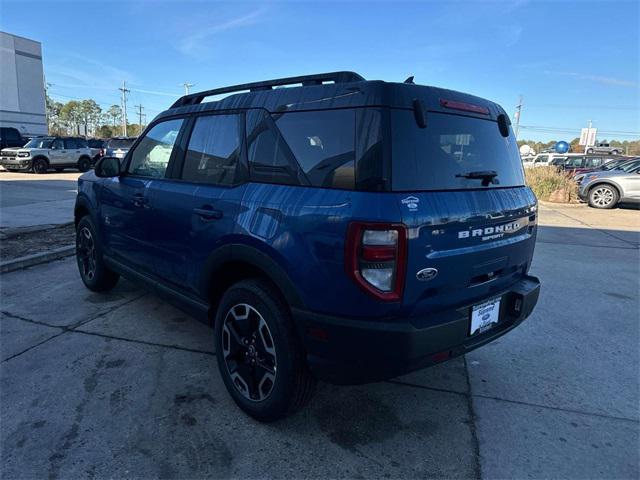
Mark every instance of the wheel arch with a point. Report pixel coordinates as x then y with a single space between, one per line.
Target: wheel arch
230 264
608 183
41 157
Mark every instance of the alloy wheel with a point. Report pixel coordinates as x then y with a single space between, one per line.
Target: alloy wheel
602 197
249 352
86 252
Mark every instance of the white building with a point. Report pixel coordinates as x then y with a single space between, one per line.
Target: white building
22 97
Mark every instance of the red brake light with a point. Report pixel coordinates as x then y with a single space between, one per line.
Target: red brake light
467 107
376 258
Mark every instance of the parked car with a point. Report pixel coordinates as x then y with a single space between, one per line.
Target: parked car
43 153
604 148
607 166
97 147
546 160
11 137
607 189
305 224
578 163
118 146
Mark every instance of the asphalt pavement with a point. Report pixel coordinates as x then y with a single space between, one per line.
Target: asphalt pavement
28 200
125 385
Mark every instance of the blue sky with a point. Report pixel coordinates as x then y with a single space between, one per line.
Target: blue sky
571 61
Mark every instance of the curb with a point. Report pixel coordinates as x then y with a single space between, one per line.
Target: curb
10 232
36 259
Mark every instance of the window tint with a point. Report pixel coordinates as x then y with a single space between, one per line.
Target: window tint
151 156
58 144
270 158
115 143
323 144
574 162
541 159
443 155
214 150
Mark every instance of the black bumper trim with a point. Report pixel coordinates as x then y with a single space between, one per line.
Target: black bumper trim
351 351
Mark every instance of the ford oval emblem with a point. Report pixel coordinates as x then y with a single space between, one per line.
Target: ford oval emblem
485 317
427 274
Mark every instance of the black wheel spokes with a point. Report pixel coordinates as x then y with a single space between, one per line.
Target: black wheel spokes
249 352
87 253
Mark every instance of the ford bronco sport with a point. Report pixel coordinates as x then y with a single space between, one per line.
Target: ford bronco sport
43 153
338 229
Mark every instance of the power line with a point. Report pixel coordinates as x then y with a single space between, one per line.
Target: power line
186 86
140 116
124 91
518 113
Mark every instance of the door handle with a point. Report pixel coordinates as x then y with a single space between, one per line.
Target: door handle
139 201
207 213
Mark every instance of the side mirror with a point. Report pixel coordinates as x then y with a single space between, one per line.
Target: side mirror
108 167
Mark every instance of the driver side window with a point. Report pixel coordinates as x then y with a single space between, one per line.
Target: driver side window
151 156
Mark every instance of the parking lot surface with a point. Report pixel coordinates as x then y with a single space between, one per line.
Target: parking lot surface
124 385
28 200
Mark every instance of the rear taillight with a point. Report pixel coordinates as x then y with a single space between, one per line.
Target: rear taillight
376 258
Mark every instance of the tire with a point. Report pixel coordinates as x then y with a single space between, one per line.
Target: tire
95 274
603 196
84 164
590 150
40 165
253 324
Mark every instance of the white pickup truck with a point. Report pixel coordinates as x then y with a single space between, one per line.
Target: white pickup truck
604 148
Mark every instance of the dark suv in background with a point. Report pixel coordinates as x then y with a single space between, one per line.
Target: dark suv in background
11 137
338 229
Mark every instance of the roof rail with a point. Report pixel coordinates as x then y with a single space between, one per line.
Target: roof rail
305 80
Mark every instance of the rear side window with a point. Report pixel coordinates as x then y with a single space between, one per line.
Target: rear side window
151 156
116 143
542 159
270 158
303 148
323 144
450 149
214 150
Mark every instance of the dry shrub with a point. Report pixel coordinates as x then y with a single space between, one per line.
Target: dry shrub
548 183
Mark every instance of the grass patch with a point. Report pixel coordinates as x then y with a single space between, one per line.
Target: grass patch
552 185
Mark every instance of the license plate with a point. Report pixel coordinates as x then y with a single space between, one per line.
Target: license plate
484 316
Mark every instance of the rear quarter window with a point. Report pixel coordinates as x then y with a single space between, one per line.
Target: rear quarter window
451 146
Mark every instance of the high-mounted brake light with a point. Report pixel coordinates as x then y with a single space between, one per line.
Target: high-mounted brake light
376 258
467 107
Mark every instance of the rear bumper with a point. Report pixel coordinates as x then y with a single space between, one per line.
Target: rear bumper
349 351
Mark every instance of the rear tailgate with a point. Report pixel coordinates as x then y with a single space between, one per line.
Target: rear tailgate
478 241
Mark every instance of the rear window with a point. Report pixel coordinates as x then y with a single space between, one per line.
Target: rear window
437 157
120 143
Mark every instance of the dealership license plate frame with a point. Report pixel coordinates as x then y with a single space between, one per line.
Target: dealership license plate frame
484 316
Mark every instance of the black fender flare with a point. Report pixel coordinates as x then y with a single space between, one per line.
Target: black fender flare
257 259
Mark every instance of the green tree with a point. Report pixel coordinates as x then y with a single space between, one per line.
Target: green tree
71 116
90 113
115 113
53 116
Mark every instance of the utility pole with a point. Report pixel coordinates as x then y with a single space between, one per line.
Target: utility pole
187 86
517 115
140 115
124 91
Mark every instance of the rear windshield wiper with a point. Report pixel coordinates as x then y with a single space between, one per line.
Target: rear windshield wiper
487 176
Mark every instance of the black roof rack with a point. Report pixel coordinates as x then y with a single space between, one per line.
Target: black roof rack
305 80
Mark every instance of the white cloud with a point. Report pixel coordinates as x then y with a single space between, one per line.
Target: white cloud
603 80
195 44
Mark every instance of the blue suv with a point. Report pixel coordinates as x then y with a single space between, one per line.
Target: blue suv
336 228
